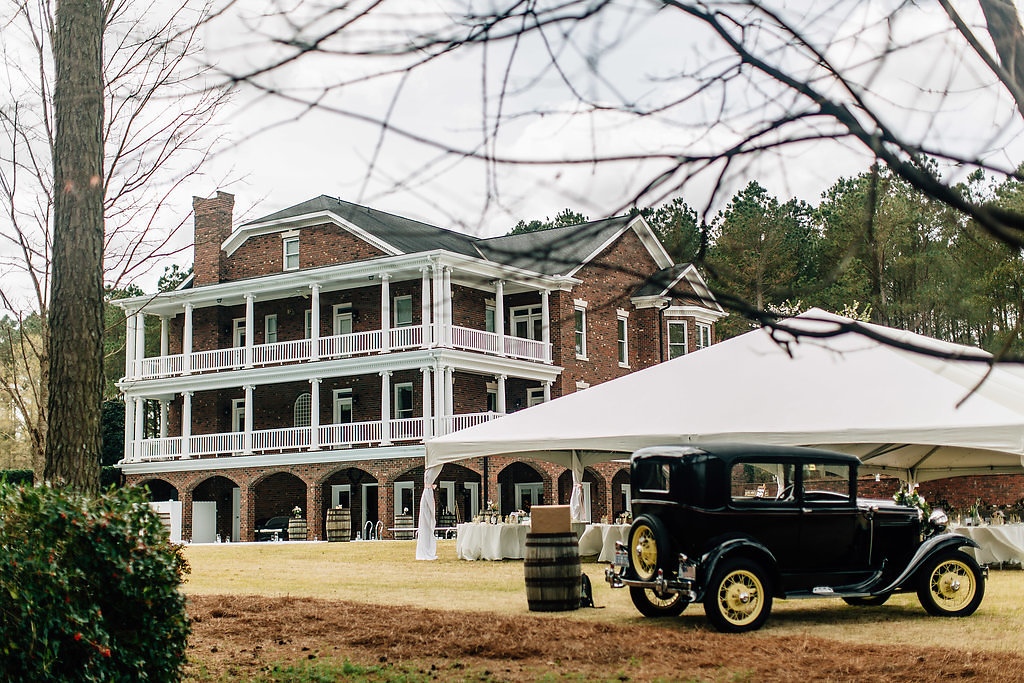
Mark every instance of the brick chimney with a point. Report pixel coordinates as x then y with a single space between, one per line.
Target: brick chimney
213 226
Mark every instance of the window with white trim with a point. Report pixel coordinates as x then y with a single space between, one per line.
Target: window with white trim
676 338
534 396
581 385
622 346
342 406
703 335
342 319
490 318
492 397
403 400
291 253
405 503
238 414
580 331
403 311
527 322
270 329
302 411
238 333
307 325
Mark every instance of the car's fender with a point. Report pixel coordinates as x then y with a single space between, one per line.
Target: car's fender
924 551
729 548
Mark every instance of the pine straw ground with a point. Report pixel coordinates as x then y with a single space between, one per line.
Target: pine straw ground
243 637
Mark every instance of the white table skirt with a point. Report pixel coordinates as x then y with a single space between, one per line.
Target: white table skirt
599 539
999 543
491 541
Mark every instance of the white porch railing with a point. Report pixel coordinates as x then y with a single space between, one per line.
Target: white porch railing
293 439
338 346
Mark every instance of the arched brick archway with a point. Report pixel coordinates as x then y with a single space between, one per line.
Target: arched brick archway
355 489
213 500
598 492
159 490
518 484
620 497
276 495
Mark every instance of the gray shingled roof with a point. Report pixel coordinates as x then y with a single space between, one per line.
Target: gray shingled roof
405 234
661 280
554 251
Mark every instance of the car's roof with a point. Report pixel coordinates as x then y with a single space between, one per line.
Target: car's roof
729 452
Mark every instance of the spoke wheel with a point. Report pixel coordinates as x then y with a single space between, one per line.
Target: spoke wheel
738 598
951 585
651 603
648 547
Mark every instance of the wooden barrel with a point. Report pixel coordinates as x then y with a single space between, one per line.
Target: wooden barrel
553 572
339 524
404 522
297 529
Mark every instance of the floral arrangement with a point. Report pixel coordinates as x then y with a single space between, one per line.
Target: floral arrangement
491 506
296 512
911 498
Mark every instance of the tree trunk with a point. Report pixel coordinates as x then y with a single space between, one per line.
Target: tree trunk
76 297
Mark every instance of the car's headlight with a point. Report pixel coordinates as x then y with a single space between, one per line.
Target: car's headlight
938 519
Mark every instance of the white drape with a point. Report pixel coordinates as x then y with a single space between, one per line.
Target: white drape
576 497
426 544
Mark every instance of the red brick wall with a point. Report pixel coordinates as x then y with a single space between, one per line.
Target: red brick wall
319 245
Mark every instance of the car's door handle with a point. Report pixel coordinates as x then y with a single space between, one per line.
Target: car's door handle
806 510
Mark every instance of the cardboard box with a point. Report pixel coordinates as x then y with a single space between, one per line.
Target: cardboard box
549 519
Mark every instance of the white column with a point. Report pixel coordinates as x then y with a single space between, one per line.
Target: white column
385 407
439 421
501 408
247 432
140 416
186 424
499 314
425 306
140 341
447 305
165 336
163 418
427 398
248 329
129 346
449 398
547 391
385 312
186 342
314 414
129 425
545 324
438 315
314 322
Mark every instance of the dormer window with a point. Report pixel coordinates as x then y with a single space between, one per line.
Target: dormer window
291 253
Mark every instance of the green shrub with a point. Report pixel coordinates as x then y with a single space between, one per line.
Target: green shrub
88 588
16 477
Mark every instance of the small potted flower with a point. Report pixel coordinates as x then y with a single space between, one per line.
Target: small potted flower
297 525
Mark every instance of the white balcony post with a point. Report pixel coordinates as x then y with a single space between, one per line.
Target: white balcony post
425 305
385 313
129 428
547 391
186 342
449 378
314 322
186 424
314 414
438 315
248 329
129 345
501 394
165 336
545 324
163 418
247 427
446 303
140 341
385 407
439 421
427 398
138 431
499 314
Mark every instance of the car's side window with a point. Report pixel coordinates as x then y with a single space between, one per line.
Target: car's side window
760 482
826 483
654 476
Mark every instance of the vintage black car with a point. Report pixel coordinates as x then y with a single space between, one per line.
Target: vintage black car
735 526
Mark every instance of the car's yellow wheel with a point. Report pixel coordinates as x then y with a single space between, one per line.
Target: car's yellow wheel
951 585
738 597
651 603
648 547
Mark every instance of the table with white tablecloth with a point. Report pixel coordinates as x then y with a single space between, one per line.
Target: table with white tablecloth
599 539
999 542
491 541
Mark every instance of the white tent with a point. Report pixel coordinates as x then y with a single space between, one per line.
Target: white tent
901 412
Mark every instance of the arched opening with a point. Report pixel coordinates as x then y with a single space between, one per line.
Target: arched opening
356 489
521 486
593 493
303 410
621 497
160 490
274 498
216 510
